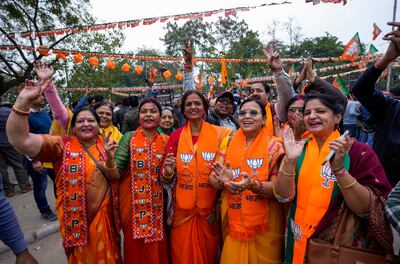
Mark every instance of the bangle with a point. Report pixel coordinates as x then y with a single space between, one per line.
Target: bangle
348 186
19 111
115 166
291 175
340 173
260 186
167 177
280 198
336 170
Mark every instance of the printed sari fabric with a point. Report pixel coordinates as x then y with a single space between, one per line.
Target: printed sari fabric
195 234
141 197
256 224
84 203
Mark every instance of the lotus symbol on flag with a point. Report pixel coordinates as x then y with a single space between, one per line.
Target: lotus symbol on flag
186 158
76 235
142 201
327 174
143 226
73 181
235 173
254 164
140 175
74 154
74 209
208 156
296 230
140 150
159 156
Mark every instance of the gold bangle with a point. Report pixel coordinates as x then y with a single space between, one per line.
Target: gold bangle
115 166
19 111
167 177
290 175
348 186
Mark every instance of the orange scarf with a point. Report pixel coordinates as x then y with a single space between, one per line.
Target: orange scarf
315 187
76 169
269 122
147 192
248 212
193 164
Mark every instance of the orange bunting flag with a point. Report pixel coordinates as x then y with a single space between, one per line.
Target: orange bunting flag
153 73
167 74
375 32
110 65
200 83
78 58
43 51
138 70
126 67
211 79
179 76
224 71
61 55
93 61
353 49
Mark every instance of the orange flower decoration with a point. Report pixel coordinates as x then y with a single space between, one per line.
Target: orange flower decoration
61 55
179 76
43 51
126 67
78 58
138 70
111 65
211 79
167 74
93 61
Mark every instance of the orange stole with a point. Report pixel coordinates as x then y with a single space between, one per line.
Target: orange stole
146 190
193 163
74 193
269 121
248 212
314 192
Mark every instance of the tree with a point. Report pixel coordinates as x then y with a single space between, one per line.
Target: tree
30 16
294 31
324 46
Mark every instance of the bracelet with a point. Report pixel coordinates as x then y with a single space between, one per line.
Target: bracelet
167 177
291 175
260 187
337 169
19 111
280 198
340 173
348 186
107 168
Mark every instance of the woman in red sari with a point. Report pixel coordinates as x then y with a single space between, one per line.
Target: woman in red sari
139 158
85 167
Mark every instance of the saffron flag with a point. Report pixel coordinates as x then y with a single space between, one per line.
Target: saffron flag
224 72
376 31
353 49
292 71
372 50
339 83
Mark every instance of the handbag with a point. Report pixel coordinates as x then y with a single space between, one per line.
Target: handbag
341 251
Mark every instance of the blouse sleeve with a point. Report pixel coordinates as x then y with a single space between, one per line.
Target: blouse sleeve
122 155
51 150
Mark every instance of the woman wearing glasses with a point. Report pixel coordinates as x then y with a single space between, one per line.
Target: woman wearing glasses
253 232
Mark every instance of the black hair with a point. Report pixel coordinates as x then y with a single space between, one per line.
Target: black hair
150 100
133 101
100 104
85 108
266 86
126 101
248 100
294 99
206 105
118 102
98 98
395 90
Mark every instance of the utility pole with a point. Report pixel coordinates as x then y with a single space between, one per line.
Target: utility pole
389 76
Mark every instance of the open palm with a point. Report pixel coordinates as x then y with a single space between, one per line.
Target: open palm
293 148
43 71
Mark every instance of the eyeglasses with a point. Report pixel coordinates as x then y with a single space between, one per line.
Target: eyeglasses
293 110
252 113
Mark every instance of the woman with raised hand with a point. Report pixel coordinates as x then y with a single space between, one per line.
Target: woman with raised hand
192 150
320 190
85 167
139 158
253 232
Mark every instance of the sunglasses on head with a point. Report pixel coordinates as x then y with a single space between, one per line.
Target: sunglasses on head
251 112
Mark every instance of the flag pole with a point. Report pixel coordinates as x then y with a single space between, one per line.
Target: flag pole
390 65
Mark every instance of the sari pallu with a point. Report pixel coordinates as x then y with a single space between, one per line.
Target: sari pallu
84 204
255 225
141 200
195 233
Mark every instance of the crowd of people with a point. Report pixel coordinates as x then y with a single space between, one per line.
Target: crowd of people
253 181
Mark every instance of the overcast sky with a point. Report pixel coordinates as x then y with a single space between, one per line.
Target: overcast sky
338 20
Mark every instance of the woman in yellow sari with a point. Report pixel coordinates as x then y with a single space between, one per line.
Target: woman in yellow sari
85 166
256 225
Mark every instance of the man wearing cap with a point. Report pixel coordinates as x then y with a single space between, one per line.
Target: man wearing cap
221 115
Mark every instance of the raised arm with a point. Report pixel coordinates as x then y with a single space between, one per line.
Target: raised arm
188 79
17 124
60 113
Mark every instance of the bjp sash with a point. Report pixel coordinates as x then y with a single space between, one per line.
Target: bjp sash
147 193
193 163
247 211
269 122
74 172
316 189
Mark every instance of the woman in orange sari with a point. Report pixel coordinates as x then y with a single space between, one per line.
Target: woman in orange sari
256 225
192 150
85 167
138 158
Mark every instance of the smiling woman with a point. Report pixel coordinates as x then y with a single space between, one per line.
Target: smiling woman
105 112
